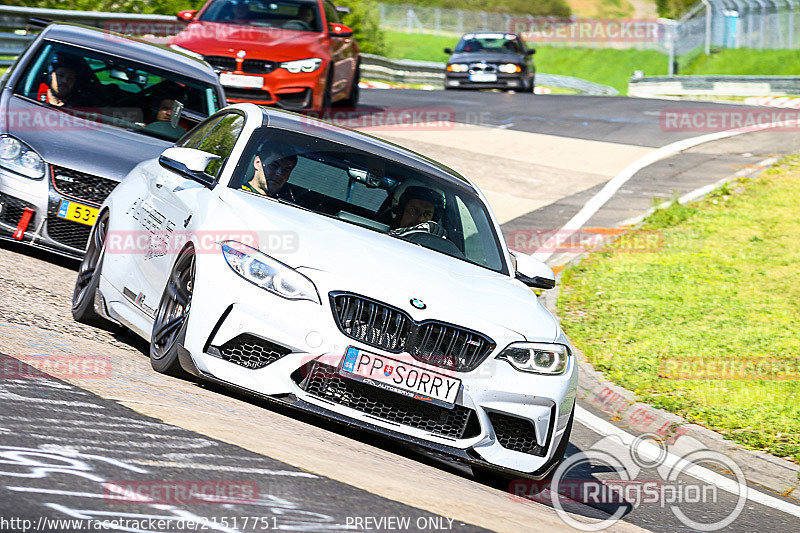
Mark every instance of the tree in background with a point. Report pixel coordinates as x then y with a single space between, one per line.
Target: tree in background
363 18
673 8
365 21
542 8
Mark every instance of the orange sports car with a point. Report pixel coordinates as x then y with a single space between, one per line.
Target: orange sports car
295 54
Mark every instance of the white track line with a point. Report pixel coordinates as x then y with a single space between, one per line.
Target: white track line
652 452
610 189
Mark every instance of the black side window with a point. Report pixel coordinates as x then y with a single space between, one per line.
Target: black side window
331 14
220 141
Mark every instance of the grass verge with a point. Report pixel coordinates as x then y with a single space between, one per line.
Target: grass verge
706 325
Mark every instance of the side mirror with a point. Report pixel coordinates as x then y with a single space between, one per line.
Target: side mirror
343 10
186 16
530 52
189 163
340 30
448 50
532 272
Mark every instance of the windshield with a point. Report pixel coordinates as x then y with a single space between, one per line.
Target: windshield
108 89
489 42
367 190
287 14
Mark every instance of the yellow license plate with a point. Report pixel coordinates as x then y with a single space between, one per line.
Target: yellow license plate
82 214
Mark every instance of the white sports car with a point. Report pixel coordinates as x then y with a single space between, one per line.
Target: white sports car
340 274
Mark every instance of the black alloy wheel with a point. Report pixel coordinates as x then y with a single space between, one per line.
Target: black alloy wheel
88 280
169 327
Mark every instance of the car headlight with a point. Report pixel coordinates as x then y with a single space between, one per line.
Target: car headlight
268 273
19 158
537 357
509 68
302 65
457 67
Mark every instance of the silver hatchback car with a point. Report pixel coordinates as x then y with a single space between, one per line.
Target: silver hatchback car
79 109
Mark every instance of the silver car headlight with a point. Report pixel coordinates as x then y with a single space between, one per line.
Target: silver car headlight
302 65
268 273
17 157
537 357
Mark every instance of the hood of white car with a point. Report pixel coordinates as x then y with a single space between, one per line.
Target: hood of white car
340 256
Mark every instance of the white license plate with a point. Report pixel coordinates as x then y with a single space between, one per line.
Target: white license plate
483 77
240 81
399 375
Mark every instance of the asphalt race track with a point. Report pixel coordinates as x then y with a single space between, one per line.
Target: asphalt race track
69 446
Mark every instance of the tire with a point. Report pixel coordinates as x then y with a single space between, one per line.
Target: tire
355 91
327 97
501 481
88 280
530 88
169 327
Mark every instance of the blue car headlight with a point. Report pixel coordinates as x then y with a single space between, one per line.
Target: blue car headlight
537 357
268 273
19 158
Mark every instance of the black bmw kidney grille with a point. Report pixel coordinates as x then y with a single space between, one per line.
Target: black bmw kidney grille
517 434
258 66
371 322
221 62
86 187
436 343
322 381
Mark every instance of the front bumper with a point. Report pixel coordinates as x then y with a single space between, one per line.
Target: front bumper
503 419
462 81
45 229
282 89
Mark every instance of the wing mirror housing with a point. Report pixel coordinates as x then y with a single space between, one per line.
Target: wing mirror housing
530 51
340 30
190 163
187 15
532 272
448 50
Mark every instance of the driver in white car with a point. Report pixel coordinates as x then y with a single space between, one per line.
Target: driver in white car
271 173
418 209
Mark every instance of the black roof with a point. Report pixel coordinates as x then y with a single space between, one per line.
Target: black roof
361 141
131 48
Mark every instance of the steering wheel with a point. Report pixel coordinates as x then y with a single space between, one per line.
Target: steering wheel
428 240
300 25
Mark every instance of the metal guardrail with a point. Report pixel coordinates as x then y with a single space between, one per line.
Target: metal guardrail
655 86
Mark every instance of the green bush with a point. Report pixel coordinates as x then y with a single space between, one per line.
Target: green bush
364 18
365 21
